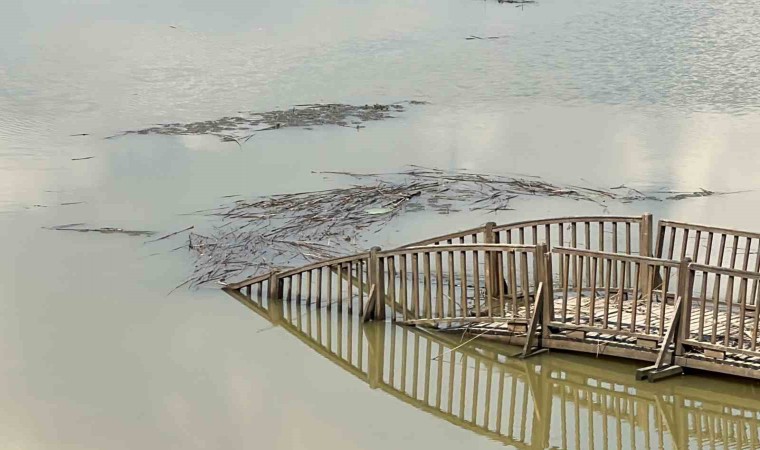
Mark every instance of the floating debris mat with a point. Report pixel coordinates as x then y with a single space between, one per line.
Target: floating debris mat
244 126
259 234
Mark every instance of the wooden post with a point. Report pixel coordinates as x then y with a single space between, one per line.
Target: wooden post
685 290
645 243
491 264
377 278
275 285
645 235
547 311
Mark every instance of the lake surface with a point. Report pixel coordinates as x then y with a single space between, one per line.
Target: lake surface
95 353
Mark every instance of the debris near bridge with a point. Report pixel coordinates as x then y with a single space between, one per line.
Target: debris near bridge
243 127
282 230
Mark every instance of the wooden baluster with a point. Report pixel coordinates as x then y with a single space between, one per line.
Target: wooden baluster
392 284
416 287
360 274
500 286
672 246
439 284
729 308
742 305
565 286
703 301
428 302
663 304
452 285
476 282
695 249
579 293
649 289
525 279
734 250
635 294
404 287
308 287
716 307
627 252
755 282
594 262
588 247
340 287
351 266
329 288
757 319
463 281
319 287
574 245
621 294
607 287
612 263
561 260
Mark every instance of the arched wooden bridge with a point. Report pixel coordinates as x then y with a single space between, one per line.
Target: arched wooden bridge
607 285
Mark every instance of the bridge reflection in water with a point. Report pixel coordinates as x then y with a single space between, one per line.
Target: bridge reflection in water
558 401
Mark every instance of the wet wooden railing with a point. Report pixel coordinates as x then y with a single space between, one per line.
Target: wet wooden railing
615 295
463 282
575 283
720 321
712 246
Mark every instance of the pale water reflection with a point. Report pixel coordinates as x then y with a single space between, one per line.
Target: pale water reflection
558 401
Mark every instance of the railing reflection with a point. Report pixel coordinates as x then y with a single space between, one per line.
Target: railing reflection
559 401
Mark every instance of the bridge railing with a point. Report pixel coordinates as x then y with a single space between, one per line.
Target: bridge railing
616 294
341 281
712 246
630 235
720 319
462 282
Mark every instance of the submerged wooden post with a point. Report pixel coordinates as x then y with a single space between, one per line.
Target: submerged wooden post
375 335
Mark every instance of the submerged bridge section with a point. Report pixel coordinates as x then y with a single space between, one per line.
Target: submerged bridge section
607 285
559 402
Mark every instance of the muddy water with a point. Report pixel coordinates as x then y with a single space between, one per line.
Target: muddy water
555 401
95 354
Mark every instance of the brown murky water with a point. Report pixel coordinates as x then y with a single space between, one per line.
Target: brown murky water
95 354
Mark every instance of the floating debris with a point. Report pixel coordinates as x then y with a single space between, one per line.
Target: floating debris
473 37
82 159
240 129
105 230
281 230
166 236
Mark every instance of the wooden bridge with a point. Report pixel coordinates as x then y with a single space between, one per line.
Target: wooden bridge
607 285
557 402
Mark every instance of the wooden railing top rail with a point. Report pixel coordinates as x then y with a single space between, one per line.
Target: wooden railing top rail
568 219
459 247
446 237
321 264
708 229
248 281
725 271
616 256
